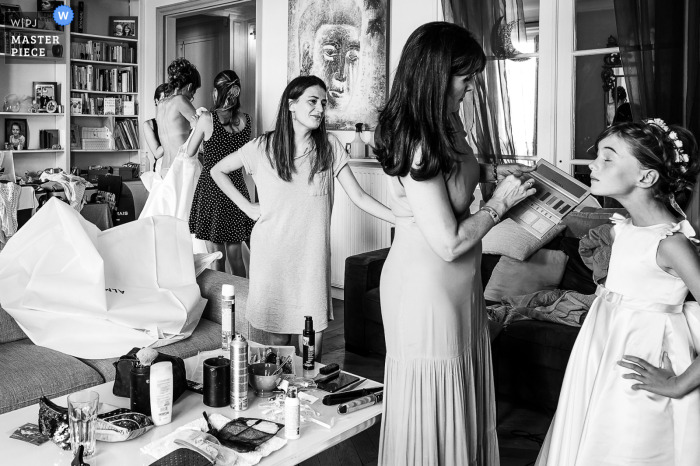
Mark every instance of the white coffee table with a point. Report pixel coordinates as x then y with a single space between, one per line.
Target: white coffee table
314 438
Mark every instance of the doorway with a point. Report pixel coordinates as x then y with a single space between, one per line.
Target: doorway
214 35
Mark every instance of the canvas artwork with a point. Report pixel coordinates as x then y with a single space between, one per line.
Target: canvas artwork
343 42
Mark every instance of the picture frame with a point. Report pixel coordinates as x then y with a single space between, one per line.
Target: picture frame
9 12
44 92
45 10
75 142
124 26
16 133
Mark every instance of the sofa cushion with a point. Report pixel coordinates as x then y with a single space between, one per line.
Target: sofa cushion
29 371
371 305
206 337
541 271
9 330
210 282
577 276
510 239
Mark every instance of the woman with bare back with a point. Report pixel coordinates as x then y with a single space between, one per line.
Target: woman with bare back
172 188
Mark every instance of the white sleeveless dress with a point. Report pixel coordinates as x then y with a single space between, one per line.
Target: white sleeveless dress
600 420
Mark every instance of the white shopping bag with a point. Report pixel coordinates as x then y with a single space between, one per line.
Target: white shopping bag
94 294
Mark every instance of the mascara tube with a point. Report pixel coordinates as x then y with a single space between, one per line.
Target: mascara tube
361 403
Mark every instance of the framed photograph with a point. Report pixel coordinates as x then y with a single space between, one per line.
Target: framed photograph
124 26
75 137
44 10
9 13
16 133
44 92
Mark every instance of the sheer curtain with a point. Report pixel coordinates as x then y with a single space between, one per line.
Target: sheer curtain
487 113
659 47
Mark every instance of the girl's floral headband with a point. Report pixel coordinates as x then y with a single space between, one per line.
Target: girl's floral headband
681 157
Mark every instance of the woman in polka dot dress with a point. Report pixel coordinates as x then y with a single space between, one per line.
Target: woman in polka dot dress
214 217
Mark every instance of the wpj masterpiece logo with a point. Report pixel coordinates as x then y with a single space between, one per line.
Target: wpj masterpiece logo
23 43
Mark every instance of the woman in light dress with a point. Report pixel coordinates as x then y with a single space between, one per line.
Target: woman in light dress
294 168
603 418
439 406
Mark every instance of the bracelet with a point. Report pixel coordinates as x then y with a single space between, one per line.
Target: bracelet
492 213
494 167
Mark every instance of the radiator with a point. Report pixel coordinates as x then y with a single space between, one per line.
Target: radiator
352 230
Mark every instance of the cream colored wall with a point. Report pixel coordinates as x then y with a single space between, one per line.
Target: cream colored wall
405 17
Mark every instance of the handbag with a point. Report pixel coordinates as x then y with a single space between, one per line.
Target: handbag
122 379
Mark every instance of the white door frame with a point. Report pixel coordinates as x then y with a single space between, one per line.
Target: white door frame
166 17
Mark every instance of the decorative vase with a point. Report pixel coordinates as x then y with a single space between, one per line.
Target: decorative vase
57 50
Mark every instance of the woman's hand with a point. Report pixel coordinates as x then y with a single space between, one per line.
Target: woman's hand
253 211
653 379
516 169
509 192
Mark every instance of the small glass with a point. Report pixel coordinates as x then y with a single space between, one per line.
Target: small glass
82 415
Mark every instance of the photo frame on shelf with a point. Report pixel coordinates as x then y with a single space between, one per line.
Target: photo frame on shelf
75 137
44 92
124 26
16 133
9 12
44 18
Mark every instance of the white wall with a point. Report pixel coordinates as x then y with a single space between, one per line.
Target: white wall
405 17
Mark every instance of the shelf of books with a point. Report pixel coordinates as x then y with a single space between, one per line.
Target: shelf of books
91 79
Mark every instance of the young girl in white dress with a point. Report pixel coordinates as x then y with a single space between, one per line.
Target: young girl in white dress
602 417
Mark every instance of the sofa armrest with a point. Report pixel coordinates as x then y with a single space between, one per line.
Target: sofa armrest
210 282
362 273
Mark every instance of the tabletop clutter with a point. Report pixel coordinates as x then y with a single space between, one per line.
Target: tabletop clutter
153 381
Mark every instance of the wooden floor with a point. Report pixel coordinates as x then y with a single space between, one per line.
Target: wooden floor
520 428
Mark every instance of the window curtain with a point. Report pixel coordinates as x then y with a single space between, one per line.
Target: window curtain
487 112
660 50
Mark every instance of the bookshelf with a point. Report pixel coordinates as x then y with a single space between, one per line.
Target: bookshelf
18 72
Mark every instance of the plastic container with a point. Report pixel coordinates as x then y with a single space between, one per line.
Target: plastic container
292 415
161 383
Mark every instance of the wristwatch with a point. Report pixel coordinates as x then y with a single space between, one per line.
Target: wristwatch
492 213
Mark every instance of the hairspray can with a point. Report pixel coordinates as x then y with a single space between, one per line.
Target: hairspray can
308 339
239 373
228 315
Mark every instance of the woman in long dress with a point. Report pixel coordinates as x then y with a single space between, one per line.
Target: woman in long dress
294 168
172 188
439 406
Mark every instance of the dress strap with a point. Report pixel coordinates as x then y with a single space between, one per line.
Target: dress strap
636 303
683 227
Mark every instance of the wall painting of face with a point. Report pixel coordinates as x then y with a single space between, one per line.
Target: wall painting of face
343 42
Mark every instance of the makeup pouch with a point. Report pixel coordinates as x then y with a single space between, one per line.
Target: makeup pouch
117 425
122 379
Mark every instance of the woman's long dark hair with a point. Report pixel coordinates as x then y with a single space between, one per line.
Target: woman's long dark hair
181 73
416 115
279 143
226 83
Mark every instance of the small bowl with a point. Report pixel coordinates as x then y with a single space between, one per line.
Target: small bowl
262 380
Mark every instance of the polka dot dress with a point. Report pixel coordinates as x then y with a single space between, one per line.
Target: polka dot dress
214 217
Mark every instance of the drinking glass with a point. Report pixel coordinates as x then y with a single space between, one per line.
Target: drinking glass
82 415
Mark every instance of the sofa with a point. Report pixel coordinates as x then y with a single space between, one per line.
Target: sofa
28 372
530 356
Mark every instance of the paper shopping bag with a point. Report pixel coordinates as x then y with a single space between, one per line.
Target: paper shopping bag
93 294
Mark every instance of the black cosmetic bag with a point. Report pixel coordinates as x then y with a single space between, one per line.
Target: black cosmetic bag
122 380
